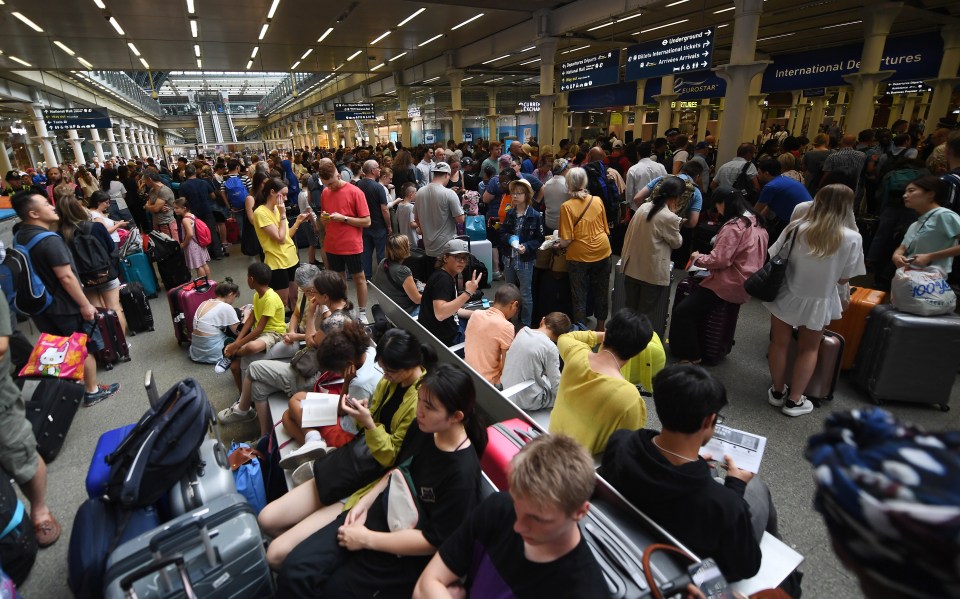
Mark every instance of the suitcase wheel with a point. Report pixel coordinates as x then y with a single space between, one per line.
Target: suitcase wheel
108 366
944 407
125 359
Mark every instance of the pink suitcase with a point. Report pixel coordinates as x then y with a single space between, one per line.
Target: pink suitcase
823 383
184 301
504 440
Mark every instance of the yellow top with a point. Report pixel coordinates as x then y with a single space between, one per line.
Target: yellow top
270 305
591 241
591 406
276 255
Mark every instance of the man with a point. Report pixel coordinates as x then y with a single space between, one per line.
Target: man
437 212
663 475
681 153
672 134
525 543
489 334
846 161
374 236
779 196
901 149
53 263
533 356
426 164
701 154
345 213
200 195
643 172
729 172
555 194
690 173
662 153
496 148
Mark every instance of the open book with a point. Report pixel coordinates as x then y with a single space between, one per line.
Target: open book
745 448
319 409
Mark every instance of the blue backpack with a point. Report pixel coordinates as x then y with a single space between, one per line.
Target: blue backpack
23 289
236 192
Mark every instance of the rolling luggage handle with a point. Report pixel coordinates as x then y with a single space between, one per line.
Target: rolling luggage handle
126 583
198 522
205 287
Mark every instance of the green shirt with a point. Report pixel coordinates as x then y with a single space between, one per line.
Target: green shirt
8 391
936 230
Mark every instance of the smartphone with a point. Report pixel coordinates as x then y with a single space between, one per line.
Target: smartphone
707 577
351 402
910 259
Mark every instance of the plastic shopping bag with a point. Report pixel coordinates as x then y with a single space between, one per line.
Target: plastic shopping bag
922 291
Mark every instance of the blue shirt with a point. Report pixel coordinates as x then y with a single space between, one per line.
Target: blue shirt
696 203
494 189
782 194
197 191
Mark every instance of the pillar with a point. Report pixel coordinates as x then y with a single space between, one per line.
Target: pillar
547 96
97 144
112 140
43 137
703 117
947 75
5 165
332 130
877 20
492 113
123 139
561 116
456 102
77 144
738 74
816 116
639 110
718 126
909 104
316 132
141 147
755 108
666 97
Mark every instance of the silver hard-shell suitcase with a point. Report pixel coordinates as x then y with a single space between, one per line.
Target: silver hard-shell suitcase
210 479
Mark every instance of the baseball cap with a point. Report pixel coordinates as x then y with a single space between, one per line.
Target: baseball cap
440 167
456 246
12 175
672 131
618 144
559 164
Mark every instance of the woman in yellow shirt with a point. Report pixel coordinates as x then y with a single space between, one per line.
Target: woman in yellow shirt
276 239
593 399
585 234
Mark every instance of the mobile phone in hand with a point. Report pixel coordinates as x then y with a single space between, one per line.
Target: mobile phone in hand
351 402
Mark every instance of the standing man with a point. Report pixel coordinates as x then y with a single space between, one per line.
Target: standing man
701 154
644 171
681 154
495 149
374 236
426 164
437 212
200 195
848 161
779 196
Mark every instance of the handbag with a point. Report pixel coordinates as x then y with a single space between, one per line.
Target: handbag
765 284
57 357
305 361
342 472
555 259
403 505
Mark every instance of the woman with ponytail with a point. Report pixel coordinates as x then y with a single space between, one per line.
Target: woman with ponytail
276 238
653 232
361 554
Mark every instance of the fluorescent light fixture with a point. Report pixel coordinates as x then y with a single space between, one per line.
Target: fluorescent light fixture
193 28
722 26
470 20
378 66
662 26
354 55
254 53
773 37
397 56
325 34
411 17
29 23
841 24
273 9
23 62
530 61
494 79
295 65
676 3
196 50
190 7
607 24
382 35
432 80
100 4
717 12
116 25
263 31
249 64
575 49
528 49
307 53
133 49
199 64
434 38
466 78
64 48
337 68
143 61
496 59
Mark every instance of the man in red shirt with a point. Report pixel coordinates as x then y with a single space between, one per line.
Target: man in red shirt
345 213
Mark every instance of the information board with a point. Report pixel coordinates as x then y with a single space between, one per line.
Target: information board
907 87
816 92
669 56
467 136
61 119
346 112
590 71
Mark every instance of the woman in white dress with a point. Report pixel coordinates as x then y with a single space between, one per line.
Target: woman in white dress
825 254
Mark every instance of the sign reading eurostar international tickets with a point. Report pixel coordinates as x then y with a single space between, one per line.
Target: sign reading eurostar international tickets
61 119
590 71
361 111
670 56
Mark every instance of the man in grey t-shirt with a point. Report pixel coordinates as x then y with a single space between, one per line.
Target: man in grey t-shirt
437 211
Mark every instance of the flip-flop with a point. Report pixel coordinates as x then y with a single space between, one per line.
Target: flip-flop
47 532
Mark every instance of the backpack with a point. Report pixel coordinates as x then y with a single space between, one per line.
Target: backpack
893 162
18 543
236 192
95 265
744 183
202 232
606 190
685 199
23 289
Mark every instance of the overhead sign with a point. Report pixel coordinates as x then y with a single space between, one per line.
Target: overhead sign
429 138
529 106
907 87
590 71
61 119
467 136
413 112
695 85
816 92
346 112
670 56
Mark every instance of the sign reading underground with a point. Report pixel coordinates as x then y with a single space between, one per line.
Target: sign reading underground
671 55
590 71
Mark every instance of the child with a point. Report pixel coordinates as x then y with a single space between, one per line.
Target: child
194 254
262 330
405 214
214 320
386 180
533 356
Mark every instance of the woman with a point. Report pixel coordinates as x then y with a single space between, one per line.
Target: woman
813 161
456 176
933 238
299 513
194 254
441 305
293 182
788 166
134 197
249 241
297 327
276 239
118 193
585 235
824 254
87 182
214 321
738 252
97 204
521 236
396 280
357 554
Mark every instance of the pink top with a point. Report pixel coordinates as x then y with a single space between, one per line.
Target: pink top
739 252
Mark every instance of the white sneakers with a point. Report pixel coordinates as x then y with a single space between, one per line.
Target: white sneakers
303 473
234 414
788 407
773 401
305 453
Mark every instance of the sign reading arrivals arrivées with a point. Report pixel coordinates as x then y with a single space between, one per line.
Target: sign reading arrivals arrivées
347 112
670 56
590 71
61 119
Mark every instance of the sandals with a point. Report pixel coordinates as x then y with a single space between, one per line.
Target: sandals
47 532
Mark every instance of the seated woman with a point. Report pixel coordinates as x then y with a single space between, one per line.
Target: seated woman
297 328
932 240
360 554
441 307
215 320
391 410
594 399
396 280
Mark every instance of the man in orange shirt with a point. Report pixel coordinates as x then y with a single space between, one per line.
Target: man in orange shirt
489 334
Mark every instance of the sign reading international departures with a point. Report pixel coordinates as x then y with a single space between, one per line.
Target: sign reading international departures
590 71
346 112
670 56
61 119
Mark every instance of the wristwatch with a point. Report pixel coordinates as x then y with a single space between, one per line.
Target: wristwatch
345 218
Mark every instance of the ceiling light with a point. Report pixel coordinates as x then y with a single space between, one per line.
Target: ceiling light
602 26
325 34
23 62
676 3
378 66
64 48
307 53
470 20
263 31
411 17
662 26
382 35
722 26
354 55
99 4
254 53
196 50
841 24
29 23
574 49
717 12
199 64
190 7
496 59
639 14
494 79
431 80
116 25
530 61
273 9
249 64
466 78
773 37
143 61
397 56
193 27
434 38
133 49
295 65
528 49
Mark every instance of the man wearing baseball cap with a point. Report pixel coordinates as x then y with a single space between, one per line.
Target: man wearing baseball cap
437 212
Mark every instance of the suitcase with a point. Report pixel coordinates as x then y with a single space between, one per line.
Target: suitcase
233 231
136 268
136 307
717 331
504 440
851 325
51 405
99 528
215 551
99 471
184 301
823 383
115 347
173 271
210 479
904 357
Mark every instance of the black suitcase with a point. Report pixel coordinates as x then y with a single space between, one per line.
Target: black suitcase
168 255
51 405
717 330
115 347
136 307
904 357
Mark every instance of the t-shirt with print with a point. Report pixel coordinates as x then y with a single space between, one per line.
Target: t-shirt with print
277 255
934 231
376 197
212 315
48 253
270 305
490 554
343 239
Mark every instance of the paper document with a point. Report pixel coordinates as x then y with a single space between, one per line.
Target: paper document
691 267
319 409
745 448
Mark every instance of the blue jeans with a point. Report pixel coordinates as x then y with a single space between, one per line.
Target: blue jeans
373 239
520 273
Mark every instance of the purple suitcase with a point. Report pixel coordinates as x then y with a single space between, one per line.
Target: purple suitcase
718 329
114 341
184 301
827 372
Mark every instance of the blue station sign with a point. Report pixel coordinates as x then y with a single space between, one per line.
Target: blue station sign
590 71
670 56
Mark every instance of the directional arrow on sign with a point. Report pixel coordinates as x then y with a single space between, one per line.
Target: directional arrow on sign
706 43
704 64
706 54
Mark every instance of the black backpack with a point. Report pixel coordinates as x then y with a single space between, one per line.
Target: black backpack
599 185
744 183
18 542
95 265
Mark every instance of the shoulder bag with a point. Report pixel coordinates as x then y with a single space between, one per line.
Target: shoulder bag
765 284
